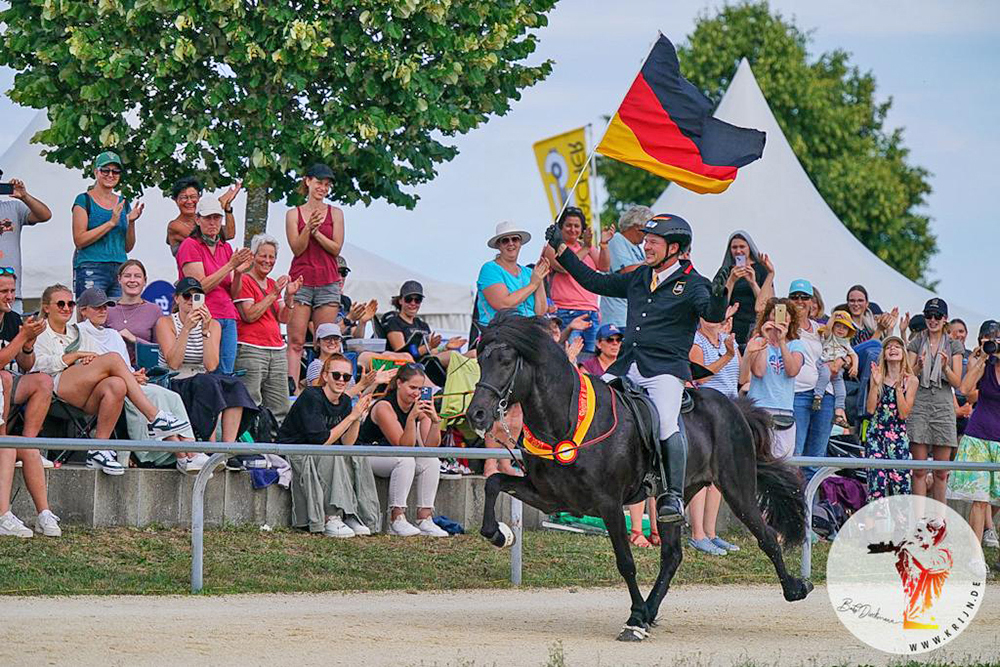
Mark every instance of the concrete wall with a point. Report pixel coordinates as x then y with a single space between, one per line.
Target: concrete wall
142 497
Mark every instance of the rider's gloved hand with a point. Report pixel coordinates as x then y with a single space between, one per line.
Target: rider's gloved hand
719 282
554 236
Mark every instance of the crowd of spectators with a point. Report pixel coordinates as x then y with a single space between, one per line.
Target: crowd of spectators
241 344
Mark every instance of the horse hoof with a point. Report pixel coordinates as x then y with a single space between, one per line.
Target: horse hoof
632 633
804 588
504 537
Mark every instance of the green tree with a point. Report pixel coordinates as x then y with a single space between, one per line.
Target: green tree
828 111
240 89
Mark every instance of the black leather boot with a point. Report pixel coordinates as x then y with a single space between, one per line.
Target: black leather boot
673 456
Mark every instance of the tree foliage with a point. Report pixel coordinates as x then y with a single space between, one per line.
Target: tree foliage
231 89
828 111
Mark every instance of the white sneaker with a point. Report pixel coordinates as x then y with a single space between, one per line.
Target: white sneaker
355 525
105 461
431 529
165 425
403 528
335 527
45 463
990 539
47 524
11 525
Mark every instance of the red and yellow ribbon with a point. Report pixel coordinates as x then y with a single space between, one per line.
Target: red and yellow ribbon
566 451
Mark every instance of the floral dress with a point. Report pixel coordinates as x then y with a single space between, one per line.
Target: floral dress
886 439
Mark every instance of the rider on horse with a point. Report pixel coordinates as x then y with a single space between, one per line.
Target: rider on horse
665 299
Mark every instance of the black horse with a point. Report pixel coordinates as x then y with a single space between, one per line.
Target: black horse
727 445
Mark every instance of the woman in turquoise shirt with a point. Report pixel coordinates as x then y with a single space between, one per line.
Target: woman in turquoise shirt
103 229
505 284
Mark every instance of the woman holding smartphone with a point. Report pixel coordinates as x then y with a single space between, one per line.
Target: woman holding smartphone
406 332
751 268
406 418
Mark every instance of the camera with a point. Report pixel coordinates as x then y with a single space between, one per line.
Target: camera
991 346
992 336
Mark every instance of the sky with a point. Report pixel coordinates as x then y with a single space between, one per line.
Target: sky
938 61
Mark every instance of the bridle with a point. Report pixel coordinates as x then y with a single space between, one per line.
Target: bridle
504 399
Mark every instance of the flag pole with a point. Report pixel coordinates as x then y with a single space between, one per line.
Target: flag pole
593 151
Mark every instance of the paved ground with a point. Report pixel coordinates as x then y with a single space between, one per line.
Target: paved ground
719 625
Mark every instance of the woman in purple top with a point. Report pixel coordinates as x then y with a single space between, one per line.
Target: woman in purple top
134 317
981 441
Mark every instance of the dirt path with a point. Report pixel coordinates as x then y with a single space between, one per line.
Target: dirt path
712 626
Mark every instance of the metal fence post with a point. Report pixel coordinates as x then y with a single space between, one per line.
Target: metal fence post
517 521
811 488
198 520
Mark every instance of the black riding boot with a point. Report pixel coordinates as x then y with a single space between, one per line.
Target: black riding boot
673 456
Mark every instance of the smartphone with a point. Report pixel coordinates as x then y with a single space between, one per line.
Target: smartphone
741 260
197 300
780 313
6 189
425 393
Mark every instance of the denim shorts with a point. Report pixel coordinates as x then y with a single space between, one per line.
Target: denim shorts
316 297
97 274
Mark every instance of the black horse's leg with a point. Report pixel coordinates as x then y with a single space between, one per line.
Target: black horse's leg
519 487
671 555
636 627
743 503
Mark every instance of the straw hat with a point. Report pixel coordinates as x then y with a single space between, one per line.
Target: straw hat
506 229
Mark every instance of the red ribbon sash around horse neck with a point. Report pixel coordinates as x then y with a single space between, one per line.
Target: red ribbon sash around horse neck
566 451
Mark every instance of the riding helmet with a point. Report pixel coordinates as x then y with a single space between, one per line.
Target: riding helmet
671 228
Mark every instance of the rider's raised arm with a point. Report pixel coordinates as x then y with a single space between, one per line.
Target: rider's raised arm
710 304
605 284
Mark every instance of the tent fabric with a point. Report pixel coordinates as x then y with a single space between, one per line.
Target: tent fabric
47 249
775 202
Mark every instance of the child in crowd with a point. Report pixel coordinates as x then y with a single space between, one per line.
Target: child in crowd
838 355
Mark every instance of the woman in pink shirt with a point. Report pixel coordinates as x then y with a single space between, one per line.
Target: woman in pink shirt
570 299
315 233
207 258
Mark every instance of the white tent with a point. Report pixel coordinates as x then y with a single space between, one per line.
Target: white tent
47 249
776 203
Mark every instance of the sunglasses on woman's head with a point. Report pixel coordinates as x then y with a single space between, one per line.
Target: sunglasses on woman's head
413 298
108 171
413 364
65 305
8 271
509 239
339 377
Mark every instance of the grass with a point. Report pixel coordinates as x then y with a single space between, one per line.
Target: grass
150 561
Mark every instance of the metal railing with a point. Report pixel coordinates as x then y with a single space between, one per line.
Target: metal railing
827 466
222 451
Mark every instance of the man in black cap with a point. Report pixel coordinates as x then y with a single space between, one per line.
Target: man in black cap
665 299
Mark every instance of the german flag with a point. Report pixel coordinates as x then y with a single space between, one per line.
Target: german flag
665 126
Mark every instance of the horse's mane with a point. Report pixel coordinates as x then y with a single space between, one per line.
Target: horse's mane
529 336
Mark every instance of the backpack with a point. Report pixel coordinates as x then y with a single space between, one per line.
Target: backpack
263 426
827 519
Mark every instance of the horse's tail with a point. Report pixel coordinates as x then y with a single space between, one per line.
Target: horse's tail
779 486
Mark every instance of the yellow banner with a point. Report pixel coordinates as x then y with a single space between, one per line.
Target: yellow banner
560 159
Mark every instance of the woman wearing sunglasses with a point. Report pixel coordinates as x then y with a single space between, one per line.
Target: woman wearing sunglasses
405 332
98 384
315 233
186 193
103 229
189 344
333 495
936 360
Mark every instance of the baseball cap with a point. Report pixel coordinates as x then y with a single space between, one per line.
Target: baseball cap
607 331
106 158
801 285
936 305
209 206
319 170
917 323
189 284
94 297
893 339
989 328
328 329
342 263
411 287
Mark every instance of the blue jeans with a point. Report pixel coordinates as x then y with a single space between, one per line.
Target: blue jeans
812 429
227 345
589 334
103 275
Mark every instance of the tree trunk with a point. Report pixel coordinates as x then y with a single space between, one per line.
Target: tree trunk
256 213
